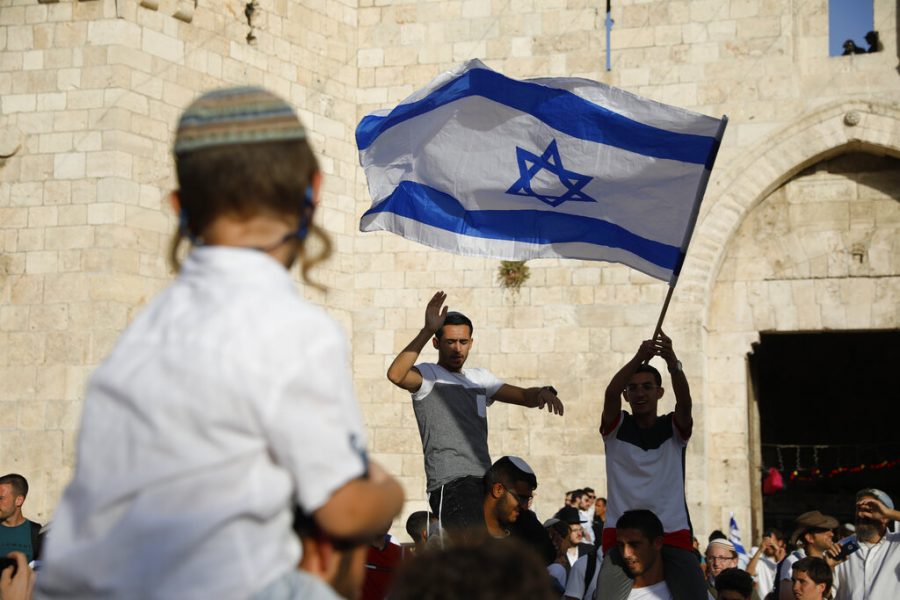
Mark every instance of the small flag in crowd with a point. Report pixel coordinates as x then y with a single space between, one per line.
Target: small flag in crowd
734 536
480 164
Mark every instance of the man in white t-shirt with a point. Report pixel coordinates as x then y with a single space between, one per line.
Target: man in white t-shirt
639 541
645 457
765 559
451 403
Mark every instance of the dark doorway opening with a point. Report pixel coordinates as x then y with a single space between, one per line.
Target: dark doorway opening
829 411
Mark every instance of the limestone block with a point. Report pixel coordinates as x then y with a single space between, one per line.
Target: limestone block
27 289
41 262
18 384
26 348
18 103
42 216
163 46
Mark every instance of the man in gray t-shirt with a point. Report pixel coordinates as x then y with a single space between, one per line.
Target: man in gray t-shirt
451 409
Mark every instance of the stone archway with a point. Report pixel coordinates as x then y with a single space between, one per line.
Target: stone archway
751 268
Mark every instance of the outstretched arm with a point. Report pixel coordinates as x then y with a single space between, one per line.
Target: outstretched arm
612 401
402 371
683 403
534 397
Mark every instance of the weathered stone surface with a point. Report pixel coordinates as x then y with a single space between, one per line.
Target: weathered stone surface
88 102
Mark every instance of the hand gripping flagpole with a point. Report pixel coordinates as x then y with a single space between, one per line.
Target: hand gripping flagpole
689 232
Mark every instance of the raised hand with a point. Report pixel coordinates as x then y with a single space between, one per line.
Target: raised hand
663 345
434 316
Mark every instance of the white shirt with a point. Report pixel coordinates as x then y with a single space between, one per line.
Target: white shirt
227 401
872 572
587 524
765 573
657 591
645 469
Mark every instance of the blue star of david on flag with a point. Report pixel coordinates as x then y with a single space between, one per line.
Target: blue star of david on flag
531 165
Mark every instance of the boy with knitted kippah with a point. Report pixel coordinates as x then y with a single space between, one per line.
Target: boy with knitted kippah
229 399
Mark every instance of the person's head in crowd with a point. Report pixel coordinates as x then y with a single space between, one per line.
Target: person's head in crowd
417 526
639 539
871 525
454 341
264 178
734 584
577 495
600 508
775 547
643 391
13 491
815 532
716 535
568 500
488 570
720 555
587 500
574 527
811 578
508 489
340 564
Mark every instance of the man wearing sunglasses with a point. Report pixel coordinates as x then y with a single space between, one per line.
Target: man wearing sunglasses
645 468
508 492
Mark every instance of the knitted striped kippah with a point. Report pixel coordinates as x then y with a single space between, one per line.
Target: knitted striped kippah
239 115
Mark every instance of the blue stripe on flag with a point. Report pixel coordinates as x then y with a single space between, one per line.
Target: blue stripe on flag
435 208
560 109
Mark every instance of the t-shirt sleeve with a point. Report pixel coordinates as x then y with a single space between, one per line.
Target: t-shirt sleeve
618 423
314 425
429 377
678 436
488 380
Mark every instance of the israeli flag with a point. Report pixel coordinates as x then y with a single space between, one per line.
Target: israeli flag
480 164
734 536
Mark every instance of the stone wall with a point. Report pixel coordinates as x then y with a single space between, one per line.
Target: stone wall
763 63
90 91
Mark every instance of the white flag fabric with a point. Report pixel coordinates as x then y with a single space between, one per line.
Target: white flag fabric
734 536
480 164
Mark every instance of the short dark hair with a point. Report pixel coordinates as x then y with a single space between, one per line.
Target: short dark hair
454 318
644 521
649 369
777 533
602 498
735 580
18 483
717 535
505 472
817 570
417 523
588 490
577 494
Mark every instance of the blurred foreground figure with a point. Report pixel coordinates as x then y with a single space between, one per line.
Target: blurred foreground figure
228 400
492 570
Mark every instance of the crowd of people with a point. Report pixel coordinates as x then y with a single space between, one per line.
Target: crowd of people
222 453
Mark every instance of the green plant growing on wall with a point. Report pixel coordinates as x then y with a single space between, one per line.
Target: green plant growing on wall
511 274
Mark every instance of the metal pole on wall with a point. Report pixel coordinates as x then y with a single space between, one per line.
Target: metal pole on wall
609 26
